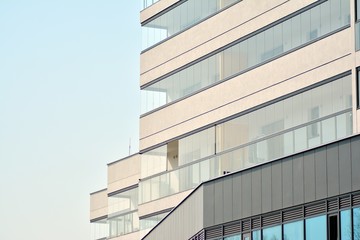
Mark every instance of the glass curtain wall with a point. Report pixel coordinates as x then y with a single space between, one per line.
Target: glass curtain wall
124 224
122 212
308 119
150 222
99 230
181 17
284 37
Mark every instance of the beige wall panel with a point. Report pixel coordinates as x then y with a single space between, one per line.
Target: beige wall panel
98 204
130 236
212 34
161 204
253 88
123 173
155 8
123 183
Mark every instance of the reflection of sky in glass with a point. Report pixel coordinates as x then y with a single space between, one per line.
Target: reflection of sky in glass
345 220
237 237
316 228
294 231
356 218
256 235
273 233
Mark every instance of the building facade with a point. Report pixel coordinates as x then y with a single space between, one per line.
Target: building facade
249 125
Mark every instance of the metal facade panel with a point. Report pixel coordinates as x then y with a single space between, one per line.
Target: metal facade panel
236 188
320 173
266 188
355 163
246 194
298 179
333 180
228 199
287 182
188 215
309 176
256 192
219 201
345 166
276 185
209 205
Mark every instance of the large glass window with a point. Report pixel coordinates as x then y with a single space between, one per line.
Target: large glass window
356 223
294 230
154 161
272 233
345 225
187 14
197 146
290 34
256 235
316 228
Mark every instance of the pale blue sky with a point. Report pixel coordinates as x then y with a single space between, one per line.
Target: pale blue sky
69 102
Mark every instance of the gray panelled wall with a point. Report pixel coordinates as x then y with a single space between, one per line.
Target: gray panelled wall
184 221
316 174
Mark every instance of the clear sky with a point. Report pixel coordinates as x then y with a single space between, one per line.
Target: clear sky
69 102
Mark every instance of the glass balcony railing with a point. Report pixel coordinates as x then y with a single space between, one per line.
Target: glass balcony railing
264 149
250 52
182 16
123 224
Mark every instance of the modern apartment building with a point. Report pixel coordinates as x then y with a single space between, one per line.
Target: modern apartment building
249 127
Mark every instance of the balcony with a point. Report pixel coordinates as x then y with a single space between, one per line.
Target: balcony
264 149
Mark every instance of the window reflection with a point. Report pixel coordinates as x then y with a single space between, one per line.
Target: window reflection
356 223
316 228
345 228
272 233
256 235
294 231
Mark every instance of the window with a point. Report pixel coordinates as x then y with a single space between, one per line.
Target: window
356 223
272 233
316 228
294 231
256 235
236 237
345 227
